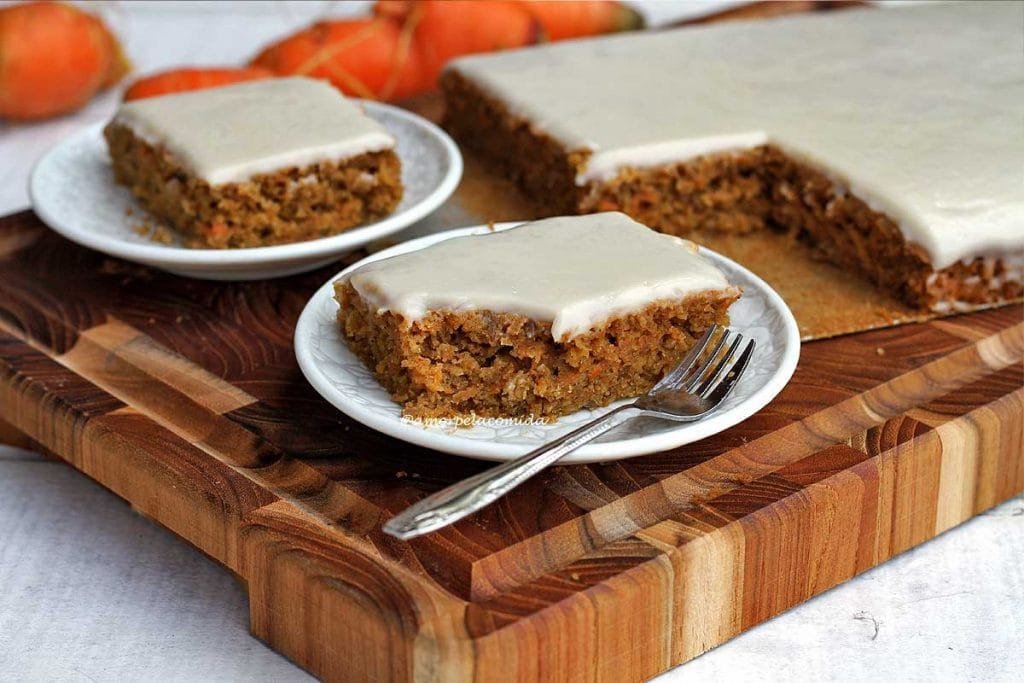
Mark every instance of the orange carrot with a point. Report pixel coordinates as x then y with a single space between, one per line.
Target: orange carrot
561 20
445 30
182 79
369 58
53 59
402 50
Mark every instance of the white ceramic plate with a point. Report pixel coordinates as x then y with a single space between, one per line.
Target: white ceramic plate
346 383
73 191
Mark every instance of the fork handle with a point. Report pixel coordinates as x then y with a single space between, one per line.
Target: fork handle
469 495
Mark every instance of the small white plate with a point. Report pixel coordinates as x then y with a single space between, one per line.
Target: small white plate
345 382
73 191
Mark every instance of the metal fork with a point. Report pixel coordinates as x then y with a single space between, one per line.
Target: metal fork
691 390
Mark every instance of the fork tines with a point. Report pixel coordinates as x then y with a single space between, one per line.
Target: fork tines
710 375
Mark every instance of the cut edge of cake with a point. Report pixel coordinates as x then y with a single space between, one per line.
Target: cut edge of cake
487 364
736 192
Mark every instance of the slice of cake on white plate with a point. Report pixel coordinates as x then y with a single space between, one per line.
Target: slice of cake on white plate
253 164
538 320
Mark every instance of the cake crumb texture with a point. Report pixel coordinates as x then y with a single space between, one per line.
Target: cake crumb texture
290 205
488 364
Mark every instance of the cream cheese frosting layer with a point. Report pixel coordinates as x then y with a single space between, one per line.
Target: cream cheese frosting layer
574 271
915 110
232 133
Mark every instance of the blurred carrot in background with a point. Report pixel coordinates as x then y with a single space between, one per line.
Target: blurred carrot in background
53 59
562 20
442 30
402 50
370 58
183 79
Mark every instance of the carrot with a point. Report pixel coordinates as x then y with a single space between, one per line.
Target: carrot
445 30
369 58
401 51
562 20
53 59
182 79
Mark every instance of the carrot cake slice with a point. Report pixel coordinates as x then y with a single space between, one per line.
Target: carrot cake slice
888 139
539 320
253 164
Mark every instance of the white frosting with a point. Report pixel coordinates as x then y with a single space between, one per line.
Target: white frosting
916 110
575 272
232 133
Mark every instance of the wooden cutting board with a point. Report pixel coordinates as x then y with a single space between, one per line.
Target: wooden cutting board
184 398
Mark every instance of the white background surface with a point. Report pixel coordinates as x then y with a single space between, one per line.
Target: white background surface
90 591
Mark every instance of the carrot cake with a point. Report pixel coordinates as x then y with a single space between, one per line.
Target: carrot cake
538 320
253 164
888 139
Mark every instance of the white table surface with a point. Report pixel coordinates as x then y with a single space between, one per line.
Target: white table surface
91 591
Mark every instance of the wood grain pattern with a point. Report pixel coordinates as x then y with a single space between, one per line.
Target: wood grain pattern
184 398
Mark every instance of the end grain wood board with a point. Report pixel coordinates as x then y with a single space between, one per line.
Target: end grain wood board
184 398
